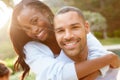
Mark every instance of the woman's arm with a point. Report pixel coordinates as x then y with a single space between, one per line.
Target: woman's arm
87 67
42 62
91 76
95 52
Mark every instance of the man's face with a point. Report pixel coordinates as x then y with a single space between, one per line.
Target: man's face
70 31
34 23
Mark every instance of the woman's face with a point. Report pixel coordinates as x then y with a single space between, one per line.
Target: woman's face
35 24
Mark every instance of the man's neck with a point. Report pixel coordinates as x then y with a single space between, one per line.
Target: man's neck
83 55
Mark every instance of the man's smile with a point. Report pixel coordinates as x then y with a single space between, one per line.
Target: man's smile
71 45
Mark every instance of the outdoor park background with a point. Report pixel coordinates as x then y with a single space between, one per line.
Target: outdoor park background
103 16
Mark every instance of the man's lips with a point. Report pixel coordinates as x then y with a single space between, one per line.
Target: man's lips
70 45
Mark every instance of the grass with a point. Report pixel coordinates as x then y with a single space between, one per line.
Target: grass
110 41
16 76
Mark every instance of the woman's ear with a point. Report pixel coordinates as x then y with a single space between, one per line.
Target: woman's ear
87 27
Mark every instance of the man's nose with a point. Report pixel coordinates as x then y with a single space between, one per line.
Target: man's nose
68 35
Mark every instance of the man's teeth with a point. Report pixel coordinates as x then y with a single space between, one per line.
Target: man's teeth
70 44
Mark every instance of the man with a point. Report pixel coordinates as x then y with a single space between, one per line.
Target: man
71 31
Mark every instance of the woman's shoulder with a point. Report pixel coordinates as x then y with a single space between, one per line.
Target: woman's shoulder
37 46
35 43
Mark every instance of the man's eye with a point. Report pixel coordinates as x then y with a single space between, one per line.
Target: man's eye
59 31
75 27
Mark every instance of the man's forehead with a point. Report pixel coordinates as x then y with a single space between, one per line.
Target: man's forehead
68 16
68 13
71 15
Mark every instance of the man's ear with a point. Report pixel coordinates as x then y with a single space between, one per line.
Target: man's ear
87 27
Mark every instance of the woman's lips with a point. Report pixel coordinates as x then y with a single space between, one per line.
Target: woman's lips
42 35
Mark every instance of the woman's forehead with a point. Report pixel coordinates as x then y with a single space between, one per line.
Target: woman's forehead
28 14
28 10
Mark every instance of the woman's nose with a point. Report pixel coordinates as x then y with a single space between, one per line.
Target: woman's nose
35 29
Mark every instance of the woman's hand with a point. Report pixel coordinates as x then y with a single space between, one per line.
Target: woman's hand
115 61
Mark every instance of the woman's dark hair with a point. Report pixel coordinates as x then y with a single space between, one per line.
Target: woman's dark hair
18 37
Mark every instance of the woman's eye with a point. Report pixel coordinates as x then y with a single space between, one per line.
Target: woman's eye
26 28
34 21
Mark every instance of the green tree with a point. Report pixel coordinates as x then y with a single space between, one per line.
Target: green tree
108 8
97 22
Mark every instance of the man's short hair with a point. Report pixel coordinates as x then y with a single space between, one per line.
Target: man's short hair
66 9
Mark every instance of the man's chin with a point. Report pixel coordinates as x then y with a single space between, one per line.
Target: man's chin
70 53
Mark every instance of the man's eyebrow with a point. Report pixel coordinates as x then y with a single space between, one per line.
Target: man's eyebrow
60 27
75 24
57 28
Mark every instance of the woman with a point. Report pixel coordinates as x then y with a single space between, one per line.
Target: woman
34 41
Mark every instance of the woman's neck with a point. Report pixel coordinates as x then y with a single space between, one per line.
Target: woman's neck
52 44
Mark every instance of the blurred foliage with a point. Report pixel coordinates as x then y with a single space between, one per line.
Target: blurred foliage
9 63
16 76
54 4
96 20
117 33
6 49
110 41
98 34
108 8
97 23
